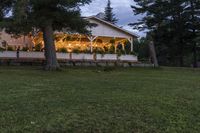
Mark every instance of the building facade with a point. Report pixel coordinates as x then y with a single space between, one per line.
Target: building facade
104 37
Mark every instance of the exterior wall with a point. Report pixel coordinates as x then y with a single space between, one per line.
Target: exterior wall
8 54
107 31
33 55
128 58
23 41
63 56
82 56
102 29
107 57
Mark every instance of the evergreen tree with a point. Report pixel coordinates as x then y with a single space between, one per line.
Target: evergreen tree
109 15
173 25
47 16
5 6
192 12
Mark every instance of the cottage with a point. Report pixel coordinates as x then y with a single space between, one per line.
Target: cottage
105 38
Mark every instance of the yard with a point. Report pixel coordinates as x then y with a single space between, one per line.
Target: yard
97 100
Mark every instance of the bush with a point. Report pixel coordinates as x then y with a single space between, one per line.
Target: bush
62 50
38 47
111 50
76 50
123 52
86 51
134 53
25 49
2 49
141 49
99 51
112 41
10 48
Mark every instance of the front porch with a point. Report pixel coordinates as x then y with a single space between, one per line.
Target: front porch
79 43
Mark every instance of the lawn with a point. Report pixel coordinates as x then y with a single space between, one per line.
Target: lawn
97 100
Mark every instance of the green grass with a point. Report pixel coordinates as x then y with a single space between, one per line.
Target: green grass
91 100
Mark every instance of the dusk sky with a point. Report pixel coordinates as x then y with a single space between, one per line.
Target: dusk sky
121 8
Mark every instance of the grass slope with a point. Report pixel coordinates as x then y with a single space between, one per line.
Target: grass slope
92 100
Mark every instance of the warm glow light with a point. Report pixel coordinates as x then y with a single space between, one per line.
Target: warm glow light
69 50
78 42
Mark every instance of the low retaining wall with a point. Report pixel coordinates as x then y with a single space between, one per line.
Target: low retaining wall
68 56
107 57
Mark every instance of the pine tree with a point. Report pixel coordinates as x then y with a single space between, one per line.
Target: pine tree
4 8
192 13
109 15
174 25
47 16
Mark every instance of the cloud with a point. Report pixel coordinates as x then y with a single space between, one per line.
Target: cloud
99 5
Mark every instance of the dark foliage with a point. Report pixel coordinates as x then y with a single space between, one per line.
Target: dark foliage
46 16
109 15
174 26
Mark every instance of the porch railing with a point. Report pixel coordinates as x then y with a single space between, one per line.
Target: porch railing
68 56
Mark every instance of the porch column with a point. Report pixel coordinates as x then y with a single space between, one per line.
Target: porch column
131 46
24 41
123 46
91 47
115 48
91 38
115 44
131 41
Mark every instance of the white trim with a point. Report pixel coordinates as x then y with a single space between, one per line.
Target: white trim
115 26
131 41
91 38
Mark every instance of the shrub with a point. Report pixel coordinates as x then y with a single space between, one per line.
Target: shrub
25 49
10 48
123 52
2 49
76 50
112 41
62 50
99 51
134 53
86 51
38 47
111 50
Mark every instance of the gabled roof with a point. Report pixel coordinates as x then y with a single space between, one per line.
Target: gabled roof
114 26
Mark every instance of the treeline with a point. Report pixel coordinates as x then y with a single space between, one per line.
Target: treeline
174 27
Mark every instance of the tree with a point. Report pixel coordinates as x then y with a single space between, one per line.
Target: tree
140 46
47 16
4 8
192 12
172 24
109 15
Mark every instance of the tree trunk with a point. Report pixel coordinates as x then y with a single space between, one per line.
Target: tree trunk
194 35
195 56
50 51
181 62
153 54
181 51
